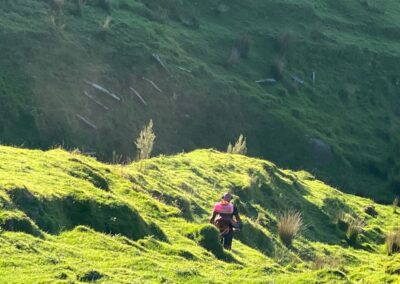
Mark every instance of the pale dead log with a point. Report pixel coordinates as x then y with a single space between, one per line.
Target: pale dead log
297 79
159 60
138 95
153 84
184 69
95 101
267 80
87 122
104 90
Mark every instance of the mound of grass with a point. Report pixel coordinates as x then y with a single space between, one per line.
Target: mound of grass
61 227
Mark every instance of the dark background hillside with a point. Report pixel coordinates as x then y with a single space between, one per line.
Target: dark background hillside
343 127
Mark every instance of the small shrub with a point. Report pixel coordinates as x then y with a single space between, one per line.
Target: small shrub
277 67
395 204
233 57
241 49
290 224
284 43
393 241
90 276
145 142
239 147
370 210
243 45
327 261
354 229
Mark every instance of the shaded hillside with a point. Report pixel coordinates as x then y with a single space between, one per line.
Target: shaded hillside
67 218
343 126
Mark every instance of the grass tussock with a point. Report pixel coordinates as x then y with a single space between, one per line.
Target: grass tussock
393 242
145 142
395 204
277 68
106 25
355 228
290 223
327 262
239 147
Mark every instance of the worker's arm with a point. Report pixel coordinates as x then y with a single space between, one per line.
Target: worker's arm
236 214
213 217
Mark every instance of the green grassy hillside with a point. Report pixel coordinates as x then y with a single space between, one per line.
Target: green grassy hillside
212 54
67 218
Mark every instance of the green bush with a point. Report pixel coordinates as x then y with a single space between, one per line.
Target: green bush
90 276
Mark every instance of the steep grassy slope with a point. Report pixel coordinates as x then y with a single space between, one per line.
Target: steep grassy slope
343 127
66 218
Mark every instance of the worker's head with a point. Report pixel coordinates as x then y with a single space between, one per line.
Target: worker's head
226 198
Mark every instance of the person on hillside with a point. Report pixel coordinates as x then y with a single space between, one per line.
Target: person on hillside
226 218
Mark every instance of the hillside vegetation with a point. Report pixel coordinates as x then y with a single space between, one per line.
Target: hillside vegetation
195 65
67 218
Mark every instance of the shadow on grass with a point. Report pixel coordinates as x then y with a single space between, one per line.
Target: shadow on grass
255 238
65 213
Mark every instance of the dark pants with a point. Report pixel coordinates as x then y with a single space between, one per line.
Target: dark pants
226 239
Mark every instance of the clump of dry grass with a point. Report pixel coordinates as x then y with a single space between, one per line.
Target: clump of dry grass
393 241
145 142
355 228
239 147
106 25
341 220
290 223
240 50
327 261
395 204
233 57
284 43
277 67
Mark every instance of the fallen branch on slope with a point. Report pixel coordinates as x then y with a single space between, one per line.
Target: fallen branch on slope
104 90
87 122
95 101
153 84
138 95
159 60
